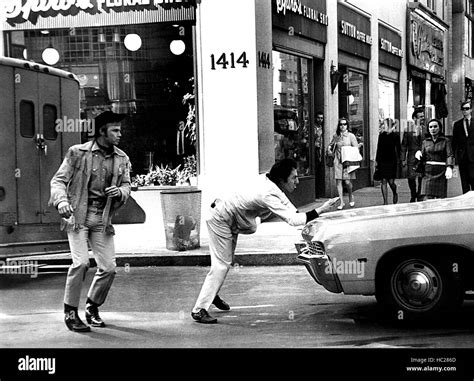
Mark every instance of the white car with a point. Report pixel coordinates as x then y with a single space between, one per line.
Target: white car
417 258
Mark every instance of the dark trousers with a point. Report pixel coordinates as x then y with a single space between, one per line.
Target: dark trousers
466 172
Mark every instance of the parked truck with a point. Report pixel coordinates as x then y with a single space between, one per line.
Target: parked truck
34 101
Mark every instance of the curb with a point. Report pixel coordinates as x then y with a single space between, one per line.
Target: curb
256 259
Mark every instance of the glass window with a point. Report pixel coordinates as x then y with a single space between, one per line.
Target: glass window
432 5
468 28
153 85
291 109
50 114
357 104
386 101
27 119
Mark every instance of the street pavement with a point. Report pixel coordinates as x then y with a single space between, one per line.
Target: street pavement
272 244
280 320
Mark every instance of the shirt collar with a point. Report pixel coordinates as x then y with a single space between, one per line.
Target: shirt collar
95 147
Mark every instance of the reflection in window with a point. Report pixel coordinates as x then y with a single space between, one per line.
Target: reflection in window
352 103
386 101
153 86
50 115
27 119
291 108
356 106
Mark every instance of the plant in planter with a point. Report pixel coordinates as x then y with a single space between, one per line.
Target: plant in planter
161 175
181 207
166 176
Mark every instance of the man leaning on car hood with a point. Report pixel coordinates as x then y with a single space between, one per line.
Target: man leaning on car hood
237 214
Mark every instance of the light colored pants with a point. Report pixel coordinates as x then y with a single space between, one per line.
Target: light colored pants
103 248
222 243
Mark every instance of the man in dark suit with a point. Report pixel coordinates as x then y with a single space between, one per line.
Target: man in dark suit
463 147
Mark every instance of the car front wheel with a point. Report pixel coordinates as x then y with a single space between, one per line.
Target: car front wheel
416 288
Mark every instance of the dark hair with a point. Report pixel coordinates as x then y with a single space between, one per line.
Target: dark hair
440 125
466 102
281 170
338 129
319 113
416 111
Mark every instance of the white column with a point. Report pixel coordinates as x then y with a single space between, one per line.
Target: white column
331 103
374 86
229 35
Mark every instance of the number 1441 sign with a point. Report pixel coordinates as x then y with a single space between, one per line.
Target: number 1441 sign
224 61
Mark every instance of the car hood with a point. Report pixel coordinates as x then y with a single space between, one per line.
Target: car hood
332 221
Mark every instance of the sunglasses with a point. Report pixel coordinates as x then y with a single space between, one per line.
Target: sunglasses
433 126
465 108
343 124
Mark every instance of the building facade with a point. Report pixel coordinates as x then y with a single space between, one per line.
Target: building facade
260 70
462 48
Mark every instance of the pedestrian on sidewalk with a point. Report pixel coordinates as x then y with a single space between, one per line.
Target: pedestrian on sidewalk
92 182
438 158
411 143
237 214
463 146
343 138
387 159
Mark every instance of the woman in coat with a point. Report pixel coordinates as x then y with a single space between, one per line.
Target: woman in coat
437 155
343 138
387 158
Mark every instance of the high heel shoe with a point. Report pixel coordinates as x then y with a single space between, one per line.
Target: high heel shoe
352 203
340 207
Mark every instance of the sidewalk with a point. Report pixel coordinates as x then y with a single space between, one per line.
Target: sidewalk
272 244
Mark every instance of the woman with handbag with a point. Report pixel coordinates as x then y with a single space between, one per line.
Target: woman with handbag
438 157
387 159
343 138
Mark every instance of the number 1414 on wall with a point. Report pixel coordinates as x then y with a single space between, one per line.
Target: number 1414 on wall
222 61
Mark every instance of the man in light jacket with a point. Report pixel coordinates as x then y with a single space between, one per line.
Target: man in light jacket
92 182
237 214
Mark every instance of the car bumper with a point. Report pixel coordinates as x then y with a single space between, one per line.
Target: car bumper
319 267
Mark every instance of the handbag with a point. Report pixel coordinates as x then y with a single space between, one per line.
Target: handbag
329 157
420 167
129 213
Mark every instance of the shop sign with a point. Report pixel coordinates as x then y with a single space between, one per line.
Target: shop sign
17 12
426 50
354 30
297 7
390 48
351 30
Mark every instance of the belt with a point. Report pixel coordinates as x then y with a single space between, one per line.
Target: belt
436 162
97 203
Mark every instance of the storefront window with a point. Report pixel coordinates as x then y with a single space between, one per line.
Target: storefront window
148 82
352 103
291 100
386 101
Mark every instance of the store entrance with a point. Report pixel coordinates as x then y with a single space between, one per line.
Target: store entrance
353 102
